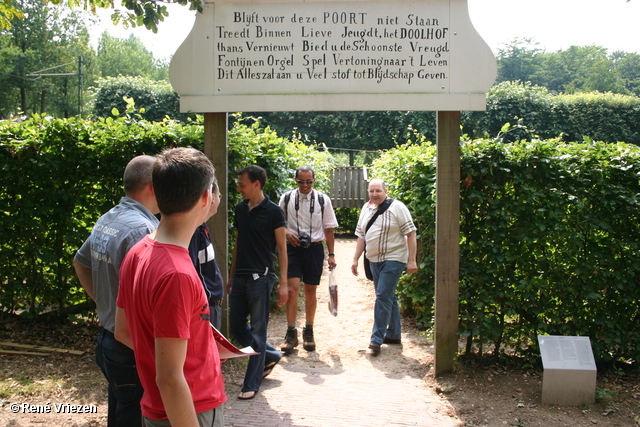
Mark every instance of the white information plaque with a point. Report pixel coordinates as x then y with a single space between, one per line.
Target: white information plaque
562 352
333 55
569 377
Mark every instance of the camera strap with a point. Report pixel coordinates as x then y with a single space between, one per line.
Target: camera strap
311 209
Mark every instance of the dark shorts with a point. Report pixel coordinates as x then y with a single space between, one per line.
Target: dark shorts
306 263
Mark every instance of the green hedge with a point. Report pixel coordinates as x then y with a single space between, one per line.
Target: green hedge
155 99
549 242
537 113
59 175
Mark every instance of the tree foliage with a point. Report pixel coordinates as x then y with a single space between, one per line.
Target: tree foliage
50 40
364 130
576 69
7 13
127 57
136 13
155 100
534 111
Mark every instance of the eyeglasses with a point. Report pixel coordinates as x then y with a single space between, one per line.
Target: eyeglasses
302 181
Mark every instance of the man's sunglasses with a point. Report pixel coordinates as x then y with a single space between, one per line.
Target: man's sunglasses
302 181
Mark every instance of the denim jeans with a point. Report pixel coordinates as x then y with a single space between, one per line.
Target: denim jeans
248 321
386 314
216 316
117 363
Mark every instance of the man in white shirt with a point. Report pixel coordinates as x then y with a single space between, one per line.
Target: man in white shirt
390 243
310 221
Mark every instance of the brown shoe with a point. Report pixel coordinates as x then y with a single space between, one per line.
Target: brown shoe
307 339
290 341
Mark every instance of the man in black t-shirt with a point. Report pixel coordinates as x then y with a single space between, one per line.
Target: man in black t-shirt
260 229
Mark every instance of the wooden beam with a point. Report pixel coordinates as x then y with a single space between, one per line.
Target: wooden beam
23 353
216 149
447 262
40 348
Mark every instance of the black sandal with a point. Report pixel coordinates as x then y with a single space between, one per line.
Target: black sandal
251 395
268 368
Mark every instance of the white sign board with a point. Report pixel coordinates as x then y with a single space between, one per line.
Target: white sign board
570 373
565 352
333 55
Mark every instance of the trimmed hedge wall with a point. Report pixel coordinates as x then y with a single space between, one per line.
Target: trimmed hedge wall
536 113
550 242
60 175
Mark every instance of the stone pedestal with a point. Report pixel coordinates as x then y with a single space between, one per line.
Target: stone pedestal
569 377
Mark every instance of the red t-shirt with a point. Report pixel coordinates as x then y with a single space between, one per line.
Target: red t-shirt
163 298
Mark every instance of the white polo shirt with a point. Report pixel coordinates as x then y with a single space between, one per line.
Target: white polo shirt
386 239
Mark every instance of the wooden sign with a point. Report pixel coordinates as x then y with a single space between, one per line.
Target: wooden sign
333 55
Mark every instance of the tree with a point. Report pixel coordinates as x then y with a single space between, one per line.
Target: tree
519 60
628 65
569 70
136 13
154 100
126 57
603 77
7 13
577 69
9 55
49 40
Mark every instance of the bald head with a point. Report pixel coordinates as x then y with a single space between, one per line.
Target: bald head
377 182
377 191
137 174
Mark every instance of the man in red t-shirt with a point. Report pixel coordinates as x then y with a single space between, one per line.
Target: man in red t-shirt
162 312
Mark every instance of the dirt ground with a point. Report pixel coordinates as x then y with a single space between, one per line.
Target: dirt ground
477 394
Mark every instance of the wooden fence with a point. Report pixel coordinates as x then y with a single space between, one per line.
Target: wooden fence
348 187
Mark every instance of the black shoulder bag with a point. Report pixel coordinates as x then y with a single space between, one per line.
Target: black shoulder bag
381 209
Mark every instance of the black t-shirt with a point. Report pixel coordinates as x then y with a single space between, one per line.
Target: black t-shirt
256 248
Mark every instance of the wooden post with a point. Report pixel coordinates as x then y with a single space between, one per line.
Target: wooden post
216 149
447 260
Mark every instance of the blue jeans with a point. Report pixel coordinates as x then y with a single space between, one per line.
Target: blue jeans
117 363
386 314
248 321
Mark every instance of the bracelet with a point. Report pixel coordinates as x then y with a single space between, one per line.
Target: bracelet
332 254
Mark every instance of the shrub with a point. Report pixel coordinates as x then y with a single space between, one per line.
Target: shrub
59 176
156 100
549 242
534 113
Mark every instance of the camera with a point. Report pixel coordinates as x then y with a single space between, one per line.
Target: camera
305 240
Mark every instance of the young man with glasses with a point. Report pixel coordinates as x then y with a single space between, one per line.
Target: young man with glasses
310 221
